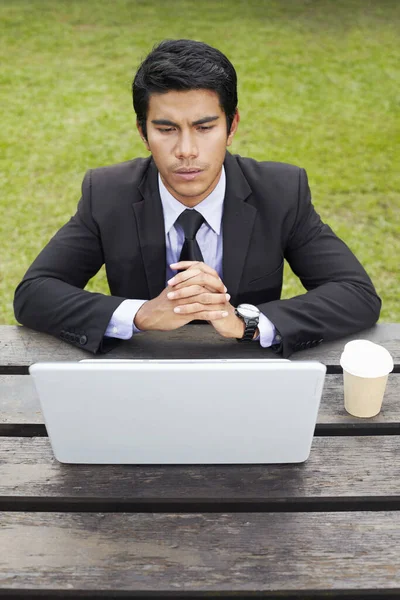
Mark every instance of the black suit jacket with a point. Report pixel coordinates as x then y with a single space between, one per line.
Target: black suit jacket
268 216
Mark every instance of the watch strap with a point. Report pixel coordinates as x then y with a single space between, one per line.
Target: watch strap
250 327
249 331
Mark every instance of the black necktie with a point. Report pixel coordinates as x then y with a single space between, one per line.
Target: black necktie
190 221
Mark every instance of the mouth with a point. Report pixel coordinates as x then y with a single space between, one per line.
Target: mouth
188 174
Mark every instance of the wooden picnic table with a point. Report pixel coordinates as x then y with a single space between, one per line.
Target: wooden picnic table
327 528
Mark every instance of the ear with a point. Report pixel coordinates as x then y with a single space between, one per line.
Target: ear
234 127
140 130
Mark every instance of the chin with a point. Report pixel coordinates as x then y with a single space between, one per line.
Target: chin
190 191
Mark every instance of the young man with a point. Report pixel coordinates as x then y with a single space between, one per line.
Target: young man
194 233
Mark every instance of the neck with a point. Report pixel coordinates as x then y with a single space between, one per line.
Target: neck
192 201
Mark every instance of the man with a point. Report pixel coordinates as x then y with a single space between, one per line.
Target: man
194 233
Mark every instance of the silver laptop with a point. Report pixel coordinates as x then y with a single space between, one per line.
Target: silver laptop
180 411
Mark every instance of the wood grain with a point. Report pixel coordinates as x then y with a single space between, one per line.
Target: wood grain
19 402
337 467
332 403
21 346
265 550
201 551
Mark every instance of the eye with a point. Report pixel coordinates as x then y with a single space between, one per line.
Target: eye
166 129
205 127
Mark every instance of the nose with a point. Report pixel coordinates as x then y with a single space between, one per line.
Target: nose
186 146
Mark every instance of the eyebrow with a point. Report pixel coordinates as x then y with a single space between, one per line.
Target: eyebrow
194 123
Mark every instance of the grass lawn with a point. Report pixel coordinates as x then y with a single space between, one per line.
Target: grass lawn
319 87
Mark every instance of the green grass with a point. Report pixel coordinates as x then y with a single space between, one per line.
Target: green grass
319 86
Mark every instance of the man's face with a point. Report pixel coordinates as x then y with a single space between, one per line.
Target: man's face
187 136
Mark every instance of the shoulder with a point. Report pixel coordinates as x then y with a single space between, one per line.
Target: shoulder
129 173
269 185
269 173
112 189
256 167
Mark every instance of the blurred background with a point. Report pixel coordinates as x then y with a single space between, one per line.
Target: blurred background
319 87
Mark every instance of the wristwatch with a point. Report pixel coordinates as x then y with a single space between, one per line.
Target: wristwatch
250 315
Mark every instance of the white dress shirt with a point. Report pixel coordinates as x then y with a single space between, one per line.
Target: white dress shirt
209 239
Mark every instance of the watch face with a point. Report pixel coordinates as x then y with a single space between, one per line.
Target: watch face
248 311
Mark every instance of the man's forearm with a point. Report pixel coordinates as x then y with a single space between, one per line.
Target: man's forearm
328 312
52 306
122 322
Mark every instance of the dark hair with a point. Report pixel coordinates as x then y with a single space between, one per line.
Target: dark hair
184 65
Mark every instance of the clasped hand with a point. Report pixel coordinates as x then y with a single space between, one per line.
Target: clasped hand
195 293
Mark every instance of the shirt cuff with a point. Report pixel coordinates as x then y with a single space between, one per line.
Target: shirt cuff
121 324
267 331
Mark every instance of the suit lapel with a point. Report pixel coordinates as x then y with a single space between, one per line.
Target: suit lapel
151 231
237 225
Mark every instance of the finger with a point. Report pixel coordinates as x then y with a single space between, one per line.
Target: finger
184 264
185 291
181 286
209 298
198 294
197 308
207 269
183 276
196 277
206 298
193 264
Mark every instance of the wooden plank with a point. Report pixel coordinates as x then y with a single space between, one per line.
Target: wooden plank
332 403
20 346
19 402
346 467
201 552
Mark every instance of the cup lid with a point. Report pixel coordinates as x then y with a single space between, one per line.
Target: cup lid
366 359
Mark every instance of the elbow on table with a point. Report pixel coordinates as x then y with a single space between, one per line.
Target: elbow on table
374 305
23 302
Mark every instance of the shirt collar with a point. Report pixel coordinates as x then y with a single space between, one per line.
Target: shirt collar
211 207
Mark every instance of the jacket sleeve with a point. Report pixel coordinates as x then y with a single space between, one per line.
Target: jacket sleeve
340 298
51 298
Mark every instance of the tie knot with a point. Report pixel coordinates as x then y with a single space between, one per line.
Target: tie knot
190 221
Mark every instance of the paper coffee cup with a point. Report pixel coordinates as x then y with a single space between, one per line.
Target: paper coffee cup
366 367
